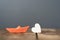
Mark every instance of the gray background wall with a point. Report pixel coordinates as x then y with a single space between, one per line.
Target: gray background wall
28 12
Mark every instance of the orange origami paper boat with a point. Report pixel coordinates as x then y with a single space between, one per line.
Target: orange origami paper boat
19 29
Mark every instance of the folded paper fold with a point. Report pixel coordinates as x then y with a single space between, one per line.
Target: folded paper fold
18 29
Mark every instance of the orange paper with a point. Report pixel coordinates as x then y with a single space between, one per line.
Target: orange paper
18 29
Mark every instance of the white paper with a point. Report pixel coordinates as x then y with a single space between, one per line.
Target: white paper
36 28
